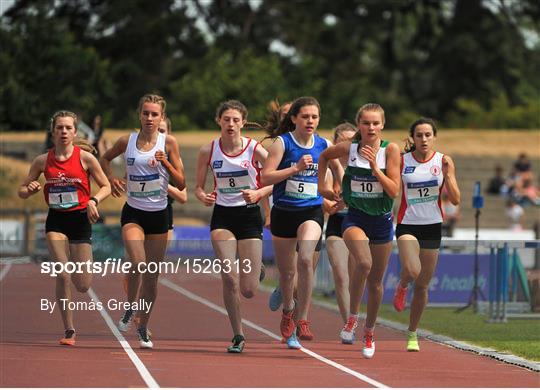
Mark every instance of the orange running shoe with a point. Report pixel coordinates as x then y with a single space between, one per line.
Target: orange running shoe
69 337
287 324
303 332
400 298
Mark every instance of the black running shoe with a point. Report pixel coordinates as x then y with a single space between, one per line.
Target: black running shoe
238 344
144 338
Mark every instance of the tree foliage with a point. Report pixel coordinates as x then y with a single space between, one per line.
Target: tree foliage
463 62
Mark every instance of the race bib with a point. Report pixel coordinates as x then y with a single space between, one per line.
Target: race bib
300 189
141 186
422 192
366 187
63 197
231 182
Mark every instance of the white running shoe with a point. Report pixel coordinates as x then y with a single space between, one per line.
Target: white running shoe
368 350
347 333
144 339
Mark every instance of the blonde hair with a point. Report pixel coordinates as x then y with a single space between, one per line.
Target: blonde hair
369 107
63 114
151 98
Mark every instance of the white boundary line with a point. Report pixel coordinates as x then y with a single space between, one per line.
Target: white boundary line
143 371
195 297
4 271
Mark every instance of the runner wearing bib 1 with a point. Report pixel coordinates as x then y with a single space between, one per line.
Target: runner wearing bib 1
68 231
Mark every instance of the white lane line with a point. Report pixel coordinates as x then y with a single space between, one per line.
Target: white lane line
4 271
143 371
195 297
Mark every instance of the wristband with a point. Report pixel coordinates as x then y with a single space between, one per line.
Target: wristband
95 200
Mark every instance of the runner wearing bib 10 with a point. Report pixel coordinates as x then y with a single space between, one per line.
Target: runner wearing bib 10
370 183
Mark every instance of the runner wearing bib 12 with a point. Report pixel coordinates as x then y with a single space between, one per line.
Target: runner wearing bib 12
370 183
236 225
67 168
151 157
424 174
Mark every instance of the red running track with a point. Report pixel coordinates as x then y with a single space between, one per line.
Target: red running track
191 334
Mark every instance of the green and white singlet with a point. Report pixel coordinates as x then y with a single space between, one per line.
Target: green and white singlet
361 189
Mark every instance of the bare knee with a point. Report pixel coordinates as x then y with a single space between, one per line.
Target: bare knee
247 292
420 289
375 287
363 268
230 283
305 265
410 273
82 287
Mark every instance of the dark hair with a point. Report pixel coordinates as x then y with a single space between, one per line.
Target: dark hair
287 125
409 142
231 105
273 118
341 128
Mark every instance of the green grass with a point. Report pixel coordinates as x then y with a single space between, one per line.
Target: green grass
518 336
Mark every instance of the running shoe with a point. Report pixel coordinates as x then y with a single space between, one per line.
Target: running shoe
302 331
276 299
137 322
238 344
263 273
412 342
144 338
368 350
400 298
293 343
347 333
125 322
69 337
287 325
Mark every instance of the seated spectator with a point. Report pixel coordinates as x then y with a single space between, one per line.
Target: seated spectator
522 167
515 213
526 193
497 182
450 215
